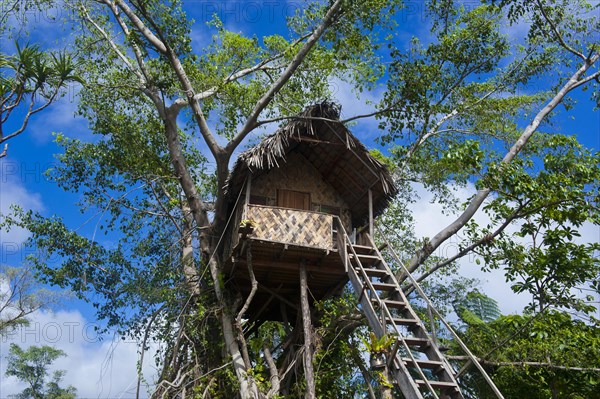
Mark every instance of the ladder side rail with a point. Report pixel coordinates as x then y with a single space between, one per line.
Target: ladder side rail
429 305
341 242
360 267
399 335
399 363
367 306
359 287
379 327
435 311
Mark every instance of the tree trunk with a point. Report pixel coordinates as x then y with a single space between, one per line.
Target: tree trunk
190 272
309 373
386 389
208 246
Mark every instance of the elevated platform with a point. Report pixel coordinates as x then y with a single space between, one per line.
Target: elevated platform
276 267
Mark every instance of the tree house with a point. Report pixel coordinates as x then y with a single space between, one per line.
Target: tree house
301 206
288 198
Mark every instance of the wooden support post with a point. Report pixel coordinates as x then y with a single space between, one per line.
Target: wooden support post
371 225
247 199
309 372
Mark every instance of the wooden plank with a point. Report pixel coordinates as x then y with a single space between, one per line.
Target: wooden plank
371 225
376 273
439 384
383 286
363 249
425 363
404 322
293 266
391 304
276 294
418 342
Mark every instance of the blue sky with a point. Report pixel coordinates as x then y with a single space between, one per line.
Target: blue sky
22 182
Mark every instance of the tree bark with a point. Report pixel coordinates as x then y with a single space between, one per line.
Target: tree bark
247 388
190 272
309 373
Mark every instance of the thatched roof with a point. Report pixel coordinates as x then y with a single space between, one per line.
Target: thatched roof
343 161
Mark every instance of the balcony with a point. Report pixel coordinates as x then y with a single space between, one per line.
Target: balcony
291 226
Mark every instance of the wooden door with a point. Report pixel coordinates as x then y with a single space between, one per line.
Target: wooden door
293 199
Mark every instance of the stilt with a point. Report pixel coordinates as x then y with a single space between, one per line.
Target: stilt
309 373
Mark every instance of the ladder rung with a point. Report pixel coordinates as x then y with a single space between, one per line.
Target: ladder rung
375 272
383 286
367 257
391 304
420 342
362 249
425 363
405 322
438 384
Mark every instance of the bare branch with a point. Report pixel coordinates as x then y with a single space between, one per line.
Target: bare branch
160 203
482 194
485 239
556 32
112 44
140 26
531 364
254 285
285 76
593 76
31 111
275 380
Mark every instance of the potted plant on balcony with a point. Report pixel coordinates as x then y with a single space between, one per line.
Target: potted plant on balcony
247 227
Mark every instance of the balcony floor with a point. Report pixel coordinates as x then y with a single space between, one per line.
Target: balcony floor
276 267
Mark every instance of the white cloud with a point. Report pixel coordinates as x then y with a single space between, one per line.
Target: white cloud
14 192
97 368
59 117
430 219
354 104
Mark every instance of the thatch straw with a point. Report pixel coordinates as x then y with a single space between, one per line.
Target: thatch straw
319 122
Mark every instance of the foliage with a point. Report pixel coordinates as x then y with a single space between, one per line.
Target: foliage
30 79
536 356
31 366
379 345
20 296
168 118
542 256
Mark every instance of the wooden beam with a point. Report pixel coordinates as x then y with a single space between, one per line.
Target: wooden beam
257 314
275 294
371 225
327 269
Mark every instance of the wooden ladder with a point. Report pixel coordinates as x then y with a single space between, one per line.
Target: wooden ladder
415 362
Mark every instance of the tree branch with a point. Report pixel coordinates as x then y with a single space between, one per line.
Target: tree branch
264 101
532 364
112 44
31 111
485 239
554 29
482 194
139 24
136 50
